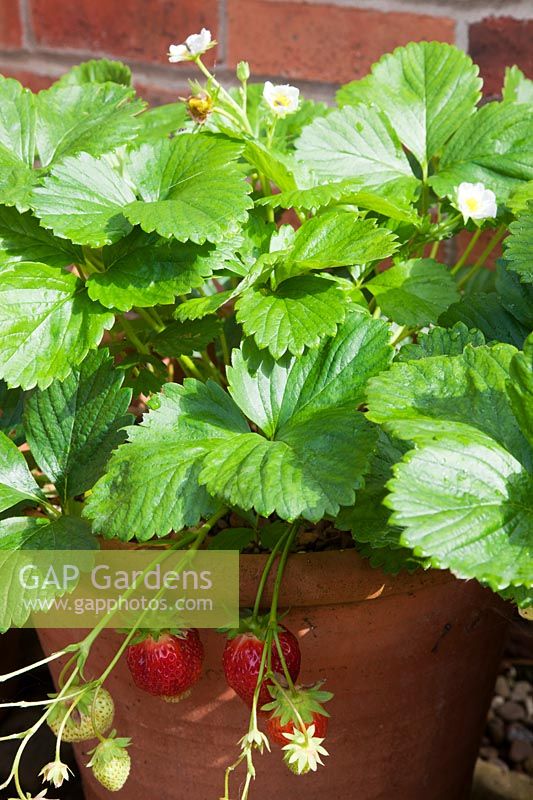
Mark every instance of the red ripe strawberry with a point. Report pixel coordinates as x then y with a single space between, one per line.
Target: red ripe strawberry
167 664
307 702
242 660
275 729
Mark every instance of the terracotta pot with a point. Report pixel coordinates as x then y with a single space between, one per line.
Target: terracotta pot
411 659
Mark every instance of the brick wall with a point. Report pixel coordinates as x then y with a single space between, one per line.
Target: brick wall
314 43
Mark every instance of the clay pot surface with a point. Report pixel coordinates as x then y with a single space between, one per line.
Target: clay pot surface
411 659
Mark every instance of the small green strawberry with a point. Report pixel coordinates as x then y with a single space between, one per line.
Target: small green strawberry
95 704
111 763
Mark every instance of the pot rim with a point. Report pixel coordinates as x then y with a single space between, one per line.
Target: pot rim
326 578
332 577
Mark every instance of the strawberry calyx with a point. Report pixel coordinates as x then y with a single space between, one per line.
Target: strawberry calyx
156 634
83 704
305 701
257 626
109 748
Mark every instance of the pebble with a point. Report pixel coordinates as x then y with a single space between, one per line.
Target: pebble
521 691
520 751
511 711
500 764
502 687
488 753
528 765
496 730
518 732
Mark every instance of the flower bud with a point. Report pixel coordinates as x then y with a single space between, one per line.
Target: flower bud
243 71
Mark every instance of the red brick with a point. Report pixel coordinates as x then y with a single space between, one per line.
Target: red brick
497 42
10 24
136 29
29 79
321 42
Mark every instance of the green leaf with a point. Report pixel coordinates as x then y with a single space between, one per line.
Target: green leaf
466 504
486 312
82 199
16 182
162 121
145 270
519 199
271 533
354 143
199 307
271 392
429 396
23 239
314 197
316 456
390 201
301 312
311 468
277 167
442 342
184 338
100 70
339 239
290 127
516 297
151 485
516 87
392 561
191 188
48 324
368 518
494 146
519 246
17 142
520 388
232 539
11 408
16 481
426 89
29 534
73 426
93 118
415 292
17 122
520 595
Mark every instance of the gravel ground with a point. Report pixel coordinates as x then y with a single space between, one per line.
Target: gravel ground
508 740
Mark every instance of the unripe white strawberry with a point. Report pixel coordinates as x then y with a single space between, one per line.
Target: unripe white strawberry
111 763
79 726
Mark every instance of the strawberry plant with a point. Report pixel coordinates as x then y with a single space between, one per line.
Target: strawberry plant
248 303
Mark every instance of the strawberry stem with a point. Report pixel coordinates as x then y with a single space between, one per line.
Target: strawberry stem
291 535
266 573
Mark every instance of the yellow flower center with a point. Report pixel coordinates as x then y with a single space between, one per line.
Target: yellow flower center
282 101
472 203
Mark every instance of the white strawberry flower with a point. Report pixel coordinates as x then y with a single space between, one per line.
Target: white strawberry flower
282 99
255 738
474 201
195 45
304 750
56 772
